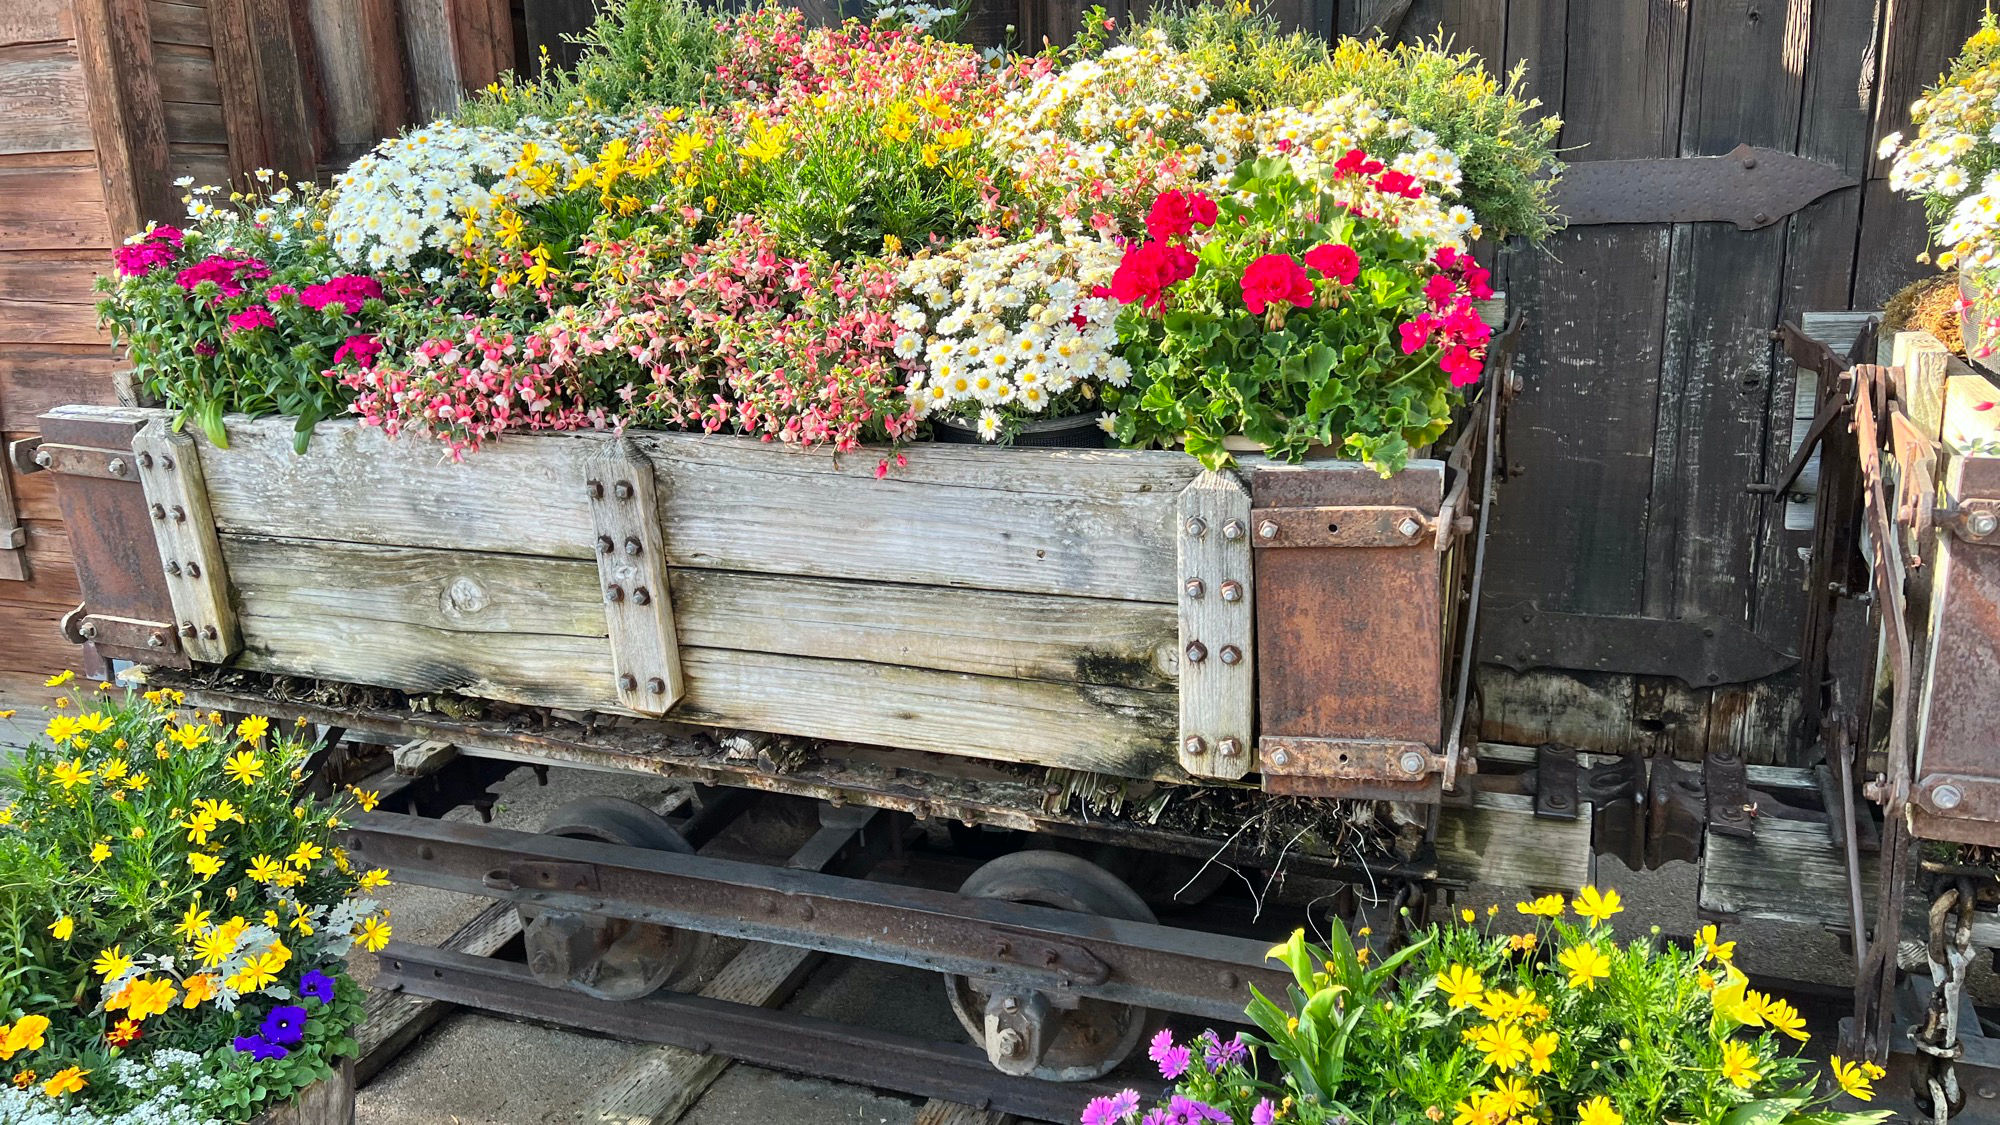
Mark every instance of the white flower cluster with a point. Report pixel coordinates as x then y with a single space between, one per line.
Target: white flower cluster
169 1078
1315 138
1081 116
915 15
415 192
1003 329
1958 131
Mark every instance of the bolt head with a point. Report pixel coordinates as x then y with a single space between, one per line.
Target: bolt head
1411 762
1267 529
642 596
1011 1004
1229 747
1196 527
604 545
156 640
614 593
209 632
179 513
622 490
1195 744
89 629
1409 528
1232 530
1231 654
44 458
1983 523
596 489
656 686
173 568
1281 757
116 466
166 463
628 682
1196 652
1010 1042
187 629
1232 591
632 546
1195 588
194 570
145 460
1947 796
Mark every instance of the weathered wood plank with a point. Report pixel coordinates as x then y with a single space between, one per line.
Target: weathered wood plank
35 21
632 576
983 633
57 207
430 57
940 1112
127 124
184 529
47 109
183 24
664 1083
187 74
1218 697
1483 844
46 297
195 123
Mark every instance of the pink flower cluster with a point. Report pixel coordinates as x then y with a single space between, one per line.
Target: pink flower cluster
1452 325
228 274
345 291
157 247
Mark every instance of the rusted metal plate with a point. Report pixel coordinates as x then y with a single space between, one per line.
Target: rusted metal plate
1700 652
130 634
1349 639
1373 769
1337 525
85 460
111 533
1957 791
1751 187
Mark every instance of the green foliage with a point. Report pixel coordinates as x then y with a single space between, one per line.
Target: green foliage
638 54
1504 148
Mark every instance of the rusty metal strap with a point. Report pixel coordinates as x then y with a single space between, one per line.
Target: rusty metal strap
1751 187
1341 525
86 461
1348 758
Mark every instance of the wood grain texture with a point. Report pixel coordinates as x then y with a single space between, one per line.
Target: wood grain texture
1500 842
178 23
35 21
632 580
46 297
184 529
940 1112
127 122
1218 697
430 57
47 109
52 207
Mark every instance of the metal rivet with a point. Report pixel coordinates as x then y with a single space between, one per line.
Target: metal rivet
614 593
1233 529
622 490
628 682
604 545
632 546
1983 523
1232 591
194 569
173 568
187 629
1409 528
657 686
89 629
155 640
116 466
1194 745
1749 162
1195 587
1280 758
1229 747
44 458
209 632
1761 217
1196 652
641 596
1268 529
159 513
1412 763
1196 527
180 514
145 460
1231 654
1947 796
597 490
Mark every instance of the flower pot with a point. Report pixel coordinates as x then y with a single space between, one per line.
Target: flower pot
1237 443
329 1101
1071 431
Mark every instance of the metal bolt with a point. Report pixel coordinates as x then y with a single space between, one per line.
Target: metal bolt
187 629
1281 758
159 513
1196 526
1195 588
1232 591
179 513
614 593
209 632
173 568
597 490
632 546
657 686
1947 796
1011 1004
116 466
1749 162
194 569
1983 524
89 629
1267 529
1229 747
641 596
1010 1042
1232 530
604 545
1760 218
1196 652
44 458
145 460
622 490
1409 528
1412 763
1231 654
1194 745
166 462
156 640
628 682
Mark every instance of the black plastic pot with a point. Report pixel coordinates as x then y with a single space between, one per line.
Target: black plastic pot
1072 431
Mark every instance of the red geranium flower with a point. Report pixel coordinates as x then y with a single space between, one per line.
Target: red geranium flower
1356 163
1336 261
1462 365
1176 213
1148 269
1274 278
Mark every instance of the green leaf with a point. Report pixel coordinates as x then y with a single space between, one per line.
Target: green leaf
1768 1111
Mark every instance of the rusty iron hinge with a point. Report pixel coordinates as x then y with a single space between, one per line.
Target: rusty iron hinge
1751 187
1343 525
1331 767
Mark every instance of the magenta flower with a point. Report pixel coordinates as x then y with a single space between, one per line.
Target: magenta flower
1217 1053
278 293
1415 334
1187 1111
1173 1061
1114 1110
346 292
1462 366
362 348
1264 1114
256 316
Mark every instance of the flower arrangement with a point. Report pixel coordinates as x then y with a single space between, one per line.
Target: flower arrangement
1009 330
175 916
243 310
1296 317
1953 166
1557 1024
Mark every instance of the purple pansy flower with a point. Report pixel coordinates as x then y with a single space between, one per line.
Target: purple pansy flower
1113 1110
1173 1060
317 985
285 1025
259 1048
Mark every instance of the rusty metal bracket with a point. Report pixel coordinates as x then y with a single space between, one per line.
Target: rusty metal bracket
1973 519
1961 796
87 461
1555 783
130 633
21 455
1701 652
1751 187
1676 812
1341 525
1376 769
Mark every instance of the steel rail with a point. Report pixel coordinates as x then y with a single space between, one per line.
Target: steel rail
782 1040
1063 953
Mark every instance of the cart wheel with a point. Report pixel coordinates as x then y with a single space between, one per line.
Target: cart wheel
608 958
1021 1030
